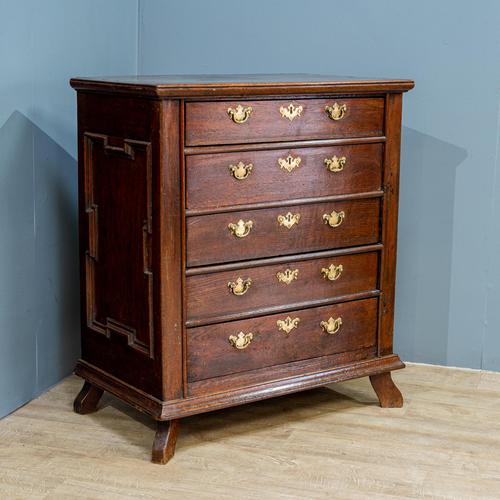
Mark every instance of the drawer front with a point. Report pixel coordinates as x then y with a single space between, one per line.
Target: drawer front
250 289
239 346
234 236
225 179
236 122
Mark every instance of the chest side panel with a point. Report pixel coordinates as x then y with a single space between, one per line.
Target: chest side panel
120 236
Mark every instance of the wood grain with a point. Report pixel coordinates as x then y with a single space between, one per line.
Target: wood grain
305 373
118 227
209 240
213 86
164 441
117 162
169 247
390 223
264 146
290 202
208 296
268 182
388 394
213 394
87 399
211 355
325 443
285 259
209 123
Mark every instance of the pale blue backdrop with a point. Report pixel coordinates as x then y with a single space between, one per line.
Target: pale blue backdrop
448 272
43 44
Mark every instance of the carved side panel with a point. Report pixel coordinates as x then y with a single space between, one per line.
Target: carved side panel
118 204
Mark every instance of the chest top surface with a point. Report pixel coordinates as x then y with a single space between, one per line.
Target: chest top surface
230 85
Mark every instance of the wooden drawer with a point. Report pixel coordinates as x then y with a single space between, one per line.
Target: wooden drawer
210 240
210 122
225 179
210 353
247 290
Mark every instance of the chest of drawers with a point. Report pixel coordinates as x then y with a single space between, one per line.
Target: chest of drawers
238 239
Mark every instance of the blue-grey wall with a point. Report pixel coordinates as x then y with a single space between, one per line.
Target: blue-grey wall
43 44
448 272
448 305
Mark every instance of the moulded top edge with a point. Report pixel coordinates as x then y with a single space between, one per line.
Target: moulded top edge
227 85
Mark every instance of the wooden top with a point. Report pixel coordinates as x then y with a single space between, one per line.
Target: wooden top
235 85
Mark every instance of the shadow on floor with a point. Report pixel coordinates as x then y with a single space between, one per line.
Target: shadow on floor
240 420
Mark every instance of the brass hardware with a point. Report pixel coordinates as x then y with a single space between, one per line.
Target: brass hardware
334 219
331 326
336 111
287 324
241 341
332 272
335 164
241 228
287 276
240 286
291 111
240 114
288 220
241 171
289 163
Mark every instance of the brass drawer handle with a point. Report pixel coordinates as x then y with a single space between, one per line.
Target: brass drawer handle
240 286
332 272
289 163
336 111
241 228
241 341
240 114
288 220
335 164
332 326
291 111
288 324
287 276
334 219
240 171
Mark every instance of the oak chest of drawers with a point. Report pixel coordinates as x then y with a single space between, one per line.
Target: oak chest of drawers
238 239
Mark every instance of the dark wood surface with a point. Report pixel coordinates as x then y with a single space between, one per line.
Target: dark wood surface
164 441
263 146
209 240
117 170
292 372
390 223
388 394
285 203
283 259
268 182
212 394
209 122
156 199
119 131
87 399
208 296
213 86
211 355
168 247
